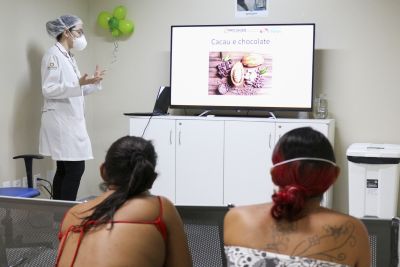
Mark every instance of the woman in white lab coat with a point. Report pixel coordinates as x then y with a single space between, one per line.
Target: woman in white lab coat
63 134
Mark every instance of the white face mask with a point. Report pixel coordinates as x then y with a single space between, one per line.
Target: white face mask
79 43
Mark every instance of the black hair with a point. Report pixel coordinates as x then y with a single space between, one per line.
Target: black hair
305 142
58 38
129 167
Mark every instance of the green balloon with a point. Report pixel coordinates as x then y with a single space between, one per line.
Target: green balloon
126 26
115 33
113 23
120 12
103 18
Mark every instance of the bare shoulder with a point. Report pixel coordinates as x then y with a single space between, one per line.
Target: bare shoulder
76 214
167 205
249 208
336 218
239 222
341 235
246 212
177 246
170 213
167 202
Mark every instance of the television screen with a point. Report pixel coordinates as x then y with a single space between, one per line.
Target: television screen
267 66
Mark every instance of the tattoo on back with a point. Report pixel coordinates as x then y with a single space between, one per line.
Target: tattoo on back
328 244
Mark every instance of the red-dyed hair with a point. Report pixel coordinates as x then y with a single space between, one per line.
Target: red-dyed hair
300 180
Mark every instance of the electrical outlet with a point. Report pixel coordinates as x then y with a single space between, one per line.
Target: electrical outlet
7 184
35 179
17 183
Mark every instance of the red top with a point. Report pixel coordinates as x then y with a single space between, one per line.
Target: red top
81 229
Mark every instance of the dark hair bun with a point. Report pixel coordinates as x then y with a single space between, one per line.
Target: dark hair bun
288 201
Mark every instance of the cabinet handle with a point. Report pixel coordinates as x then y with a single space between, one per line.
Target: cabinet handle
179 137
170 137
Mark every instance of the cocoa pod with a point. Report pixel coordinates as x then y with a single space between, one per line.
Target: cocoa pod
252 60
237 74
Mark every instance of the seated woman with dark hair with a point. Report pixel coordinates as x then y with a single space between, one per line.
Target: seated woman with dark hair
126 225
295 230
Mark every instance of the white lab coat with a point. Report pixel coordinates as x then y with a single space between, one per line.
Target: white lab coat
63 134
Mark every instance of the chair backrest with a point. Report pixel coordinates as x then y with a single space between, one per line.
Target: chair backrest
384 241
28 230
204 230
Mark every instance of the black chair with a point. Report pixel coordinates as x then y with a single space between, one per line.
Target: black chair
204 231
28 159
28 192
384 241
28 230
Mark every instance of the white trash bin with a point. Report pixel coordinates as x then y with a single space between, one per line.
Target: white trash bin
373 179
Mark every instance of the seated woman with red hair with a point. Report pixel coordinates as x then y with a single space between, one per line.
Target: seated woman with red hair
295 230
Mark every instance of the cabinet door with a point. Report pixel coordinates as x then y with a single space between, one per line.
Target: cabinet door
247 160
199 162
162 133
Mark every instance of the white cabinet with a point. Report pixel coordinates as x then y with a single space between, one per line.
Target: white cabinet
213 161
248 148
162 133
199 162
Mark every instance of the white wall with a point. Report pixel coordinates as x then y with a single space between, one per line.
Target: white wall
356 64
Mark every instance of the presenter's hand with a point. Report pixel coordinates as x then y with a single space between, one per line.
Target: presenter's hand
96 78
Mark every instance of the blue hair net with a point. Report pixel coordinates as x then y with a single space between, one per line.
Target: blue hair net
59 25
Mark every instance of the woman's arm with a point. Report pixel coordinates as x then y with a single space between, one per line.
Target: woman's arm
54 86
91 88
92 84
177 250
232 226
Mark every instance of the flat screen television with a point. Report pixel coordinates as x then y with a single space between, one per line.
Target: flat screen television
256 67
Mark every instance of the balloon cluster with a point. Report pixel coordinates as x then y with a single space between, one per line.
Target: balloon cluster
116 22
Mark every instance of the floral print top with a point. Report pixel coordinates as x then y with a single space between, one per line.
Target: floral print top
247 257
